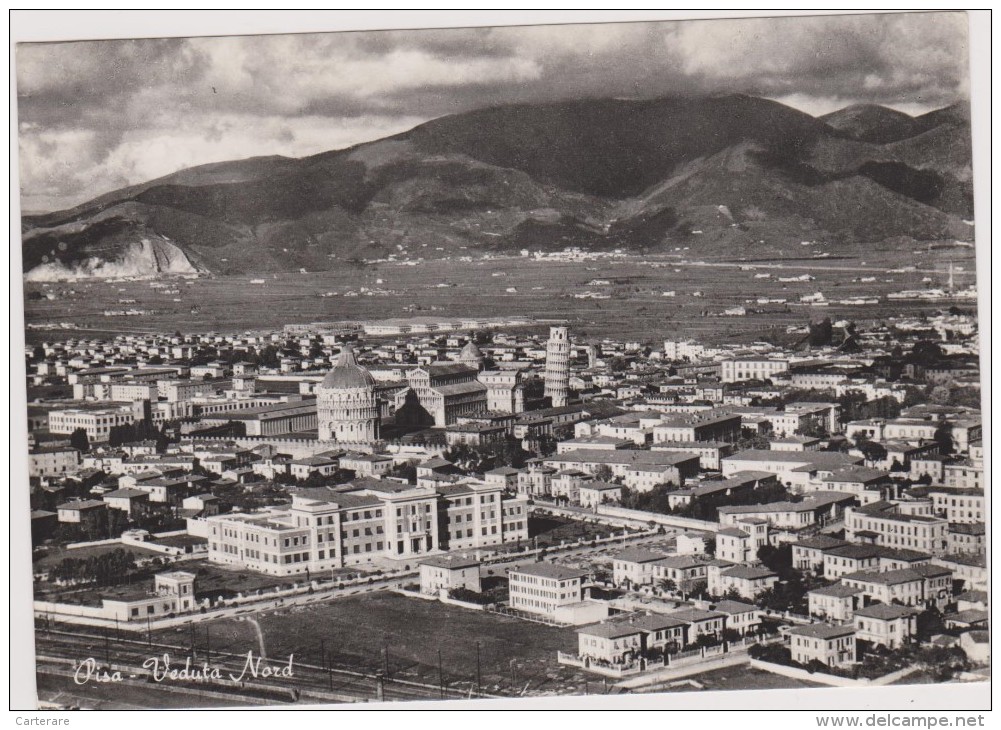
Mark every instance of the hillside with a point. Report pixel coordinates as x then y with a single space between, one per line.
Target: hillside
642 175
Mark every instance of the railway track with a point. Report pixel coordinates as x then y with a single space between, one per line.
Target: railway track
67 653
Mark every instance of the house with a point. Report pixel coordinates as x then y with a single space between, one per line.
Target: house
816 508
969 619
808 552
131 501
852 558
322 465
922 585
884 624
88 513
205 505
740 544
686 571
966 537
835 602
366 465
620 640
744 618
971 599
447 572
749 581
505 477
970 569
543 587
173 593
593 493
609 642
634 567
833 646
741 483
50 461
977 645
640 470
793 468
701 623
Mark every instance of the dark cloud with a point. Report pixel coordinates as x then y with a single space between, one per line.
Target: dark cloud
94 115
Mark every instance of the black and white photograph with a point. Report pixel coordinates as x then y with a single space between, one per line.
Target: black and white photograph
637 358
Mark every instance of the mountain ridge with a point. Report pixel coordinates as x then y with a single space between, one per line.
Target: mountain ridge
633 174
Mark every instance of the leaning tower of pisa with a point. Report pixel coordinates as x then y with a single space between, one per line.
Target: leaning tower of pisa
558 366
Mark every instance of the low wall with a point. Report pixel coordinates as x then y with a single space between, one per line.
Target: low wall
297 448
70 609
686 523
830 679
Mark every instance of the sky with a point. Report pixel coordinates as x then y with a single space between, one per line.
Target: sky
99 115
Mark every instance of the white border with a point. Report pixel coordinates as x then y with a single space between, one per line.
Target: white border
79 25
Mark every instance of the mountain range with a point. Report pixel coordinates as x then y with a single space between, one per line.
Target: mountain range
715 174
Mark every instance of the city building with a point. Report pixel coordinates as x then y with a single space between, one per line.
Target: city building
448 572
543 587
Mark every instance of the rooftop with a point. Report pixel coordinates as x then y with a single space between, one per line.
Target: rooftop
823 631
886 611
452 562
549 570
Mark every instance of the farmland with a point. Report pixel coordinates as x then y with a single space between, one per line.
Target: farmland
647 298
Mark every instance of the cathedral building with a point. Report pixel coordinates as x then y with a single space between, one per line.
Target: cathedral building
439 393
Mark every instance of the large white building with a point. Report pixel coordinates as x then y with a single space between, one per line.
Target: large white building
544 587
326 528
883 523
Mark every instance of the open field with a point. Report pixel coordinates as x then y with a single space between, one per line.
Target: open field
636 307
515 656
740 677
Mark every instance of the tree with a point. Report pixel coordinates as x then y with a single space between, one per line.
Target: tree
926 353
732 594
618 364
79 440
943 437
778 559
667 585
603 473
405 470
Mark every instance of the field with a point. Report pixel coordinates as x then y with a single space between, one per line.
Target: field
635 307
515 656
740 677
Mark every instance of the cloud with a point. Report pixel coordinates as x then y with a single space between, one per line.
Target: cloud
98 115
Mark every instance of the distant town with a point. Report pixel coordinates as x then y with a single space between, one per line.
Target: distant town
429 507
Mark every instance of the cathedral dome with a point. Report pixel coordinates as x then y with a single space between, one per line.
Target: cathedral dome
470 352
347 374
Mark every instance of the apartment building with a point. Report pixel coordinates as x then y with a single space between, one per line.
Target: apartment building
712 425
922 585
883 523
543 587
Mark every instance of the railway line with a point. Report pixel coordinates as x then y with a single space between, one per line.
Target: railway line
94 659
